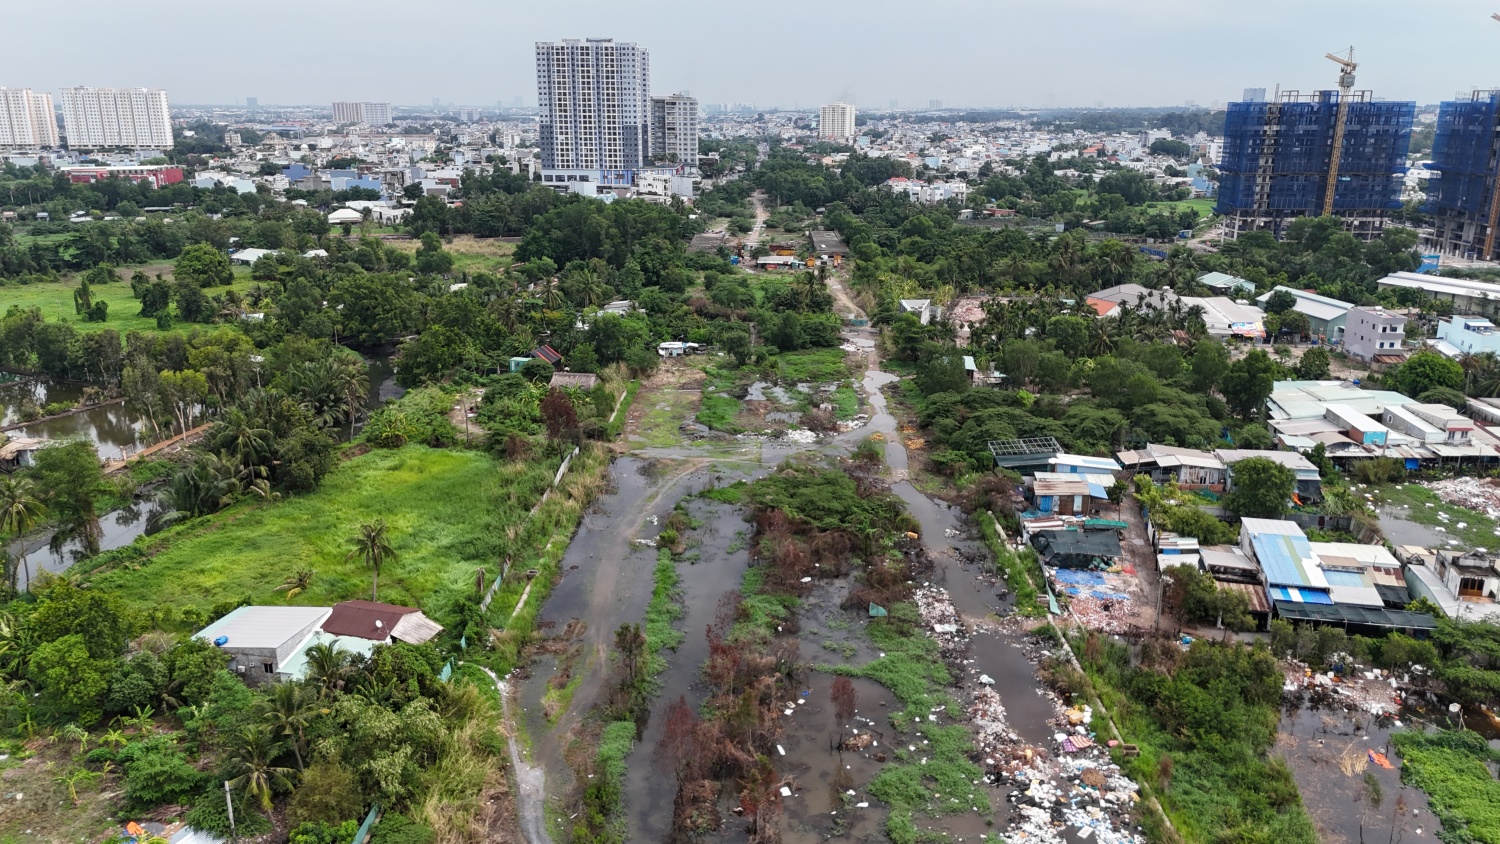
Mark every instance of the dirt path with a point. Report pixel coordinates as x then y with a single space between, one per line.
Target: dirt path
112 466
842 301
531 790
758 199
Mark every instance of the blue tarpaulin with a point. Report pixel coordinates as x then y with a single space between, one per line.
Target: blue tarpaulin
1079 577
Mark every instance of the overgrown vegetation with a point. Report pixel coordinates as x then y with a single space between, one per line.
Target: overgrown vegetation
1453 768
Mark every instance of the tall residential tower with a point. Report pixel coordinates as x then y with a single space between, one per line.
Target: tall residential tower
1278 155
674 130
370 114
1464 198
836 122
27 120
116 117
595 99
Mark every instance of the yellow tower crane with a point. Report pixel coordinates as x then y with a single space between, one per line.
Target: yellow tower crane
1346 84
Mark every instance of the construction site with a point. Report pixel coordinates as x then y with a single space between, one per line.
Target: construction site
1334 153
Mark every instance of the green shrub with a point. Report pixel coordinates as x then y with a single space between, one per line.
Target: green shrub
399 829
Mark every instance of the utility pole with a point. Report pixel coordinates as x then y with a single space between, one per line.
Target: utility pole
229 804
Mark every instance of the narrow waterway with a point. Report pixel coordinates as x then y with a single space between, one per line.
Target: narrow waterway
113 429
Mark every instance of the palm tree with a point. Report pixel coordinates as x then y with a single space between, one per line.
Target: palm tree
19 511
373 544
297 582
287 712
73 732
238 437
327 667
254 758
115 737
352 380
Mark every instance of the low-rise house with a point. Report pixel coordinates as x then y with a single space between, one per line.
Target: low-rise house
1225 318
1469 575
1227 285
1189 468
1110 300
1459 336
1083 464
1309 487
1325 315
1069 494
381 623
247 257
1375 334
20 452
263 643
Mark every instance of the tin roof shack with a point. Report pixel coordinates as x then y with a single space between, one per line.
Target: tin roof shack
1229 564
263 642
1285 557
1067 494
381 623
1309 486
1356 425
1080 464
20 452
1189 468
1077 549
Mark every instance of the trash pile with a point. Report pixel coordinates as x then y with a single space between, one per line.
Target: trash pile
1471 493
1106 615
941 617
1085 795
1377 692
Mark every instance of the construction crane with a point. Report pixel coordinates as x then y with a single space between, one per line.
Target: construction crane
1346 84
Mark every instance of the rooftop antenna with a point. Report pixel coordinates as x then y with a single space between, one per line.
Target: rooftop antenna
1347 67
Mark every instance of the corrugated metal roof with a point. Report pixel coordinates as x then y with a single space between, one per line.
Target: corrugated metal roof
1299 596
263 627
1344 614
1287 560
1252 592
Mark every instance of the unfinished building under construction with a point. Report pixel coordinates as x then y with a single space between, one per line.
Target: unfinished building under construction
1464 198
1336 152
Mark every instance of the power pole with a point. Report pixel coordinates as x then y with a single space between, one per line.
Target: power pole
229 804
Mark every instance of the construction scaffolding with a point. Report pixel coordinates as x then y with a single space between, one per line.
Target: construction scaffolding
1277 158
1461 198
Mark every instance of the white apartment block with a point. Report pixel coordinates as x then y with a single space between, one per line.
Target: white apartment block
370 114
116 117
836 122
27 120
674 129
595 99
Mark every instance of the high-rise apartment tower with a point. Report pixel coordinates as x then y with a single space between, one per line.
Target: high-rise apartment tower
836 122
674 129
1277 157
27 120
138 118
595 101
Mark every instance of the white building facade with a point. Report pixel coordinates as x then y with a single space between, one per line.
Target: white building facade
674 129
836 122
27 120
136 118
370 114
595 99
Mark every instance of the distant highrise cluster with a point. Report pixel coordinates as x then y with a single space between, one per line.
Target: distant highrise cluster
100 118
836 122
370 114
27 119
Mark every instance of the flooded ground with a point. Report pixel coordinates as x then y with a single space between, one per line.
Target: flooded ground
118 528
113 429
1400 530
1328 750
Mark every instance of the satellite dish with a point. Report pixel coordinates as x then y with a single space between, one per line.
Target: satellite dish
379 624
1453 707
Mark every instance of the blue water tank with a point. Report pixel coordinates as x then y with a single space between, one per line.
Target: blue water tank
734 260
221 641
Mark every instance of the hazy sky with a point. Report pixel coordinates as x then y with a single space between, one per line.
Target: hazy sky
770 52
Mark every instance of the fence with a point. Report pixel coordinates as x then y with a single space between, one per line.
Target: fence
489 594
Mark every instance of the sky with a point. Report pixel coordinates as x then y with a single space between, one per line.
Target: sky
771 53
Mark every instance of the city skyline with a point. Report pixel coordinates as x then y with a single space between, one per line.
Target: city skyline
1144 55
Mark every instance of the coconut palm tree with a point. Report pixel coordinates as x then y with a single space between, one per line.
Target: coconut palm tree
287 712
352 381
297 582
327 667
19 511
373 544
254 758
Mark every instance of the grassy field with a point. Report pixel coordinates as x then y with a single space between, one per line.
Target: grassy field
1204 207
447 512
470 254
1423 508
55 299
